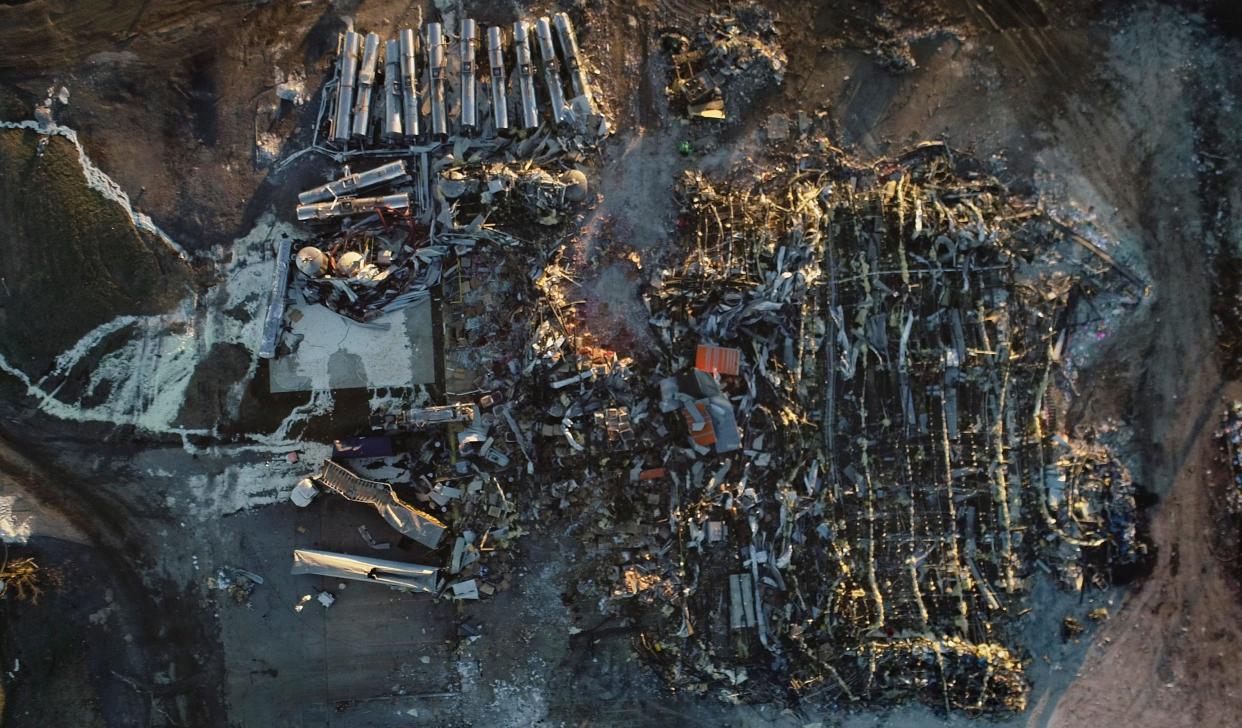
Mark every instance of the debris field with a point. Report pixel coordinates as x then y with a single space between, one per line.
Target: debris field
833 463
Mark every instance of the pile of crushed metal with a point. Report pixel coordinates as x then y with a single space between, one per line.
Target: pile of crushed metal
846 462
735 52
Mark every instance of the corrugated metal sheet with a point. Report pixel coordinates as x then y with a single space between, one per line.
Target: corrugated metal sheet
717 359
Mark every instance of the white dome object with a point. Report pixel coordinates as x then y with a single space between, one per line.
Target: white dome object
311 261
350 263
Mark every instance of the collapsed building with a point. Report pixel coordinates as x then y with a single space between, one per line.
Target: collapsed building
841 460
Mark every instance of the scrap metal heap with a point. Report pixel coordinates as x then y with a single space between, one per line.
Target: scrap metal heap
735 52
384 237
843 455
442 169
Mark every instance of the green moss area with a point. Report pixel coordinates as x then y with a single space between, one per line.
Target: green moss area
72 258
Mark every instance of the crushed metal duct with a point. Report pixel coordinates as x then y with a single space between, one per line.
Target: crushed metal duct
407 520
276 304
413 577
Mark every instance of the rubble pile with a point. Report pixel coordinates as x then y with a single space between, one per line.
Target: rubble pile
735 52
835 461
1229 440
842 489
1089 506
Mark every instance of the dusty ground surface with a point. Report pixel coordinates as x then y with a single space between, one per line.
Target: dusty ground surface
1127 111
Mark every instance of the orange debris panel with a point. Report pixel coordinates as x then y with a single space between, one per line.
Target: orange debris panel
717 359
652 474
706 436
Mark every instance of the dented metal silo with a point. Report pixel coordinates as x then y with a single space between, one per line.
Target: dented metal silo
579 84
392 92
496 59
469 43
436 64
551 68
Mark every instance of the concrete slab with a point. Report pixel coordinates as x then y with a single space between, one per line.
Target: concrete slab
369 659
395 350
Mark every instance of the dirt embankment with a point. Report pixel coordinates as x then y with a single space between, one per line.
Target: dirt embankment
73 259
167 97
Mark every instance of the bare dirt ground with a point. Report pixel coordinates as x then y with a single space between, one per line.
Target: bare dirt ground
1129 110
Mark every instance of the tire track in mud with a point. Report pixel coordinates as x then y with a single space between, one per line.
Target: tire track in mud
169 627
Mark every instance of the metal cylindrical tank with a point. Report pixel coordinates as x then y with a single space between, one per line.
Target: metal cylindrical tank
347 71
409 83
526 77
366 83
496 60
